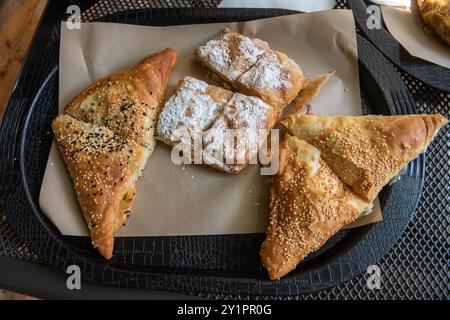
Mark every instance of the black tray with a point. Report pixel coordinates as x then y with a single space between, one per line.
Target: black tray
200 264
427 72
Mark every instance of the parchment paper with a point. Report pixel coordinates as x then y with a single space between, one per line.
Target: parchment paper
196 200
299 5
407 27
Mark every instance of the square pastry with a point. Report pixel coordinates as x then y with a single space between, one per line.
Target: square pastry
251 67
230 54
227 123
275 78
194 106
238 133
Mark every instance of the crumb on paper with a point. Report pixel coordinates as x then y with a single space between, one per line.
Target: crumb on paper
309 110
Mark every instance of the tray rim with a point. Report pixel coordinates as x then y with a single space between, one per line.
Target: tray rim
22 168
385 42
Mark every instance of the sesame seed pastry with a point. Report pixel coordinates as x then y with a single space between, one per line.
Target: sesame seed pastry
308 204
106 138
128 102
104 167
366 152
331 169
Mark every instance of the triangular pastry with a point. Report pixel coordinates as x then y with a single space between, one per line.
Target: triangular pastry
128 102
107 138
308 204
104 167
331 169
366 152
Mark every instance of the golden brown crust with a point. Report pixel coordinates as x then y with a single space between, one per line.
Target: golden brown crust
128 102
104 167
366 151
125 208
436 13
308 204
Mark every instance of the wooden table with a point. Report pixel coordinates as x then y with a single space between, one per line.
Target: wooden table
18 21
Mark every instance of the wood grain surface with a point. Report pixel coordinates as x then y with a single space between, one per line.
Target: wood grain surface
18 21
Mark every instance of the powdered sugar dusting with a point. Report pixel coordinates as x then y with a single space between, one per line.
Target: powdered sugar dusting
216 149
235 134
230 54
229 128
189 108
247 111
267 74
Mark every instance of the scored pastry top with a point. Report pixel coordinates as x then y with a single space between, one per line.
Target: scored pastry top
268 73
274 78
245 116
251 67
194 106
230 54
221 117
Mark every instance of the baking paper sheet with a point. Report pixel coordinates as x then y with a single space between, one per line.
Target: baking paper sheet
196 200
407 27
299 5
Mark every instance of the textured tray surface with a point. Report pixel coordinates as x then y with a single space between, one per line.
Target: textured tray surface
57 255
427 72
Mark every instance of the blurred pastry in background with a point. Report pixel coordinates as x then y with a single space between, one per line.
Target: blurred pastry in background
436 14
